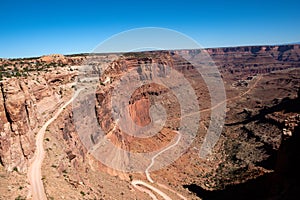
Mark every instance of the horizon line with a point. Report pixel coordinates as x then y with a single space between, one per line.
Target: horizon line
181 49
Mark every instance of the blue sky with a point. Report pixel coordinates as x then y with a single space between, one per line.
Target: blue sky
34 28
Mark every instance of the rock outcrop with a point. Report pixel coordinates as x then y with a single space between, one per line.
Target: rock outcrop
18 119
24 104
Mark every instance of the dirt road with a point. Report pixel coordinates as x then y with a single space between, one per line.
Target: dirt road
137 183
34 172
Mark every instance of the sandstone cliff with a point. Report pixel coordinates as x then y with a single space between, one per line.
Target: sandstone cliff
18 120
25 103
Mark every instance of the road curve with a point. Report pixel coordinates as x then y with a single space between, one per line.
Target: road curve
152 159
34 172
136 183
139 182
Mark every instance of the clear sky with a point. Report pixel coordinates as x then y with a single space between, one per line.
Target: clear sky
38 27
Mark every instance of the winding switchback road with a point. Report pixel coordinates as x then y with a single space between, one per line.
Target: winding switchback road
138 183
